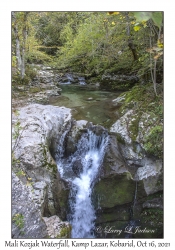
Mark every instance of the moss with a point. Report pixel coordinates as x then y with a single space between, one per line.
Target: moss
53 167
117 214
153 143
49 165
23 94
115 190
20 173
63 198
142 100
120 139
65 232
18 219
153 218
35 89
134 127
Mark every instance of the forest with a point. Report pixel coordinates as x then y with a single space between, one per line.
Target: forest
90 42
87 124
94 44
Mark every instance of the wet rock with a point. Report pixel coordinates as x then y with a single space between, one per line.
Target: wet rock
89 99
127 174
77 167
116 185
118 101
113 162
59 91
70 78
114 190
117 213
74 135
52 93
96 129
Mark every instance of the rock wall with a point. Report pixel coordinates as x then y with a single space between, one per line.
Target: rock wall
129 188
130 180
36 180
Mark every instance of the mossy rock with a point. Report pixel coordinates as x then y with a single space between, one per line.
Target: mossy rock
65 232
114 190
118 213
152 219
63 203
35 89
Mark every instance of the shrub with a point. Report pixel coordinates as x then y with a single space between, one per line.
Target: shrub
154 141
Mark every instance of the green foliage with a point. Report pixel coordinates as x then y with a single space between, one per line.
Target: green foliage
30 74
120 139
142 100
65 232
14 160
36 56
20 173
93 46
154 141
145 16
18 219
17 129
14 61
95 42
154 216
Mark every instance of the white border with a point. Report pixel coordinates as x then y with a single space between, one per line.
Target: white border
5 95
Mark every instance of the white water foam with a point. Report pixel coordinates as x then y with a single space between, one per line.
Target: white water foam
90 153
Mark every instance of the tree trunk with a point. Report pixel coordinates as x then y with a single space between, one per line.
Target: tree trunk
155 83
18 53
24 45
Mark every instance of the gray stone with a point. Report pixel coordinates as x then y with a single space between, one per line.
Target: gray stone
143 168
74 135
56 228
118 101
152 175
154 203
41 128
26 218
121 127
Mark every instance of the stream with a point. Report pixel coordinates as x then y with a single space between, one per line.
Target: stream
87 103
104 180
81 171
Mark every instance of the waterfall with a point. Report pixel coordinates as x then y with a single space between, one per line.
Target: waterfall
81 170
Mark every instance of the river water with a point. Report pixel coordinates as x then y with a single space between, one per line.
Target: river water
87 104
81 170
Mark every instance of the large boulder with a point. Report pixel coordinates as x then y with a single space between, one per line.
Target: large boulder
37 132
130 178
78 127
130 131
116 185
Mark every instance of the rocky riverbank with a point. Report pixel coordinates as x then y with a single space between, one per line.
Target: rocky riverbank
130 186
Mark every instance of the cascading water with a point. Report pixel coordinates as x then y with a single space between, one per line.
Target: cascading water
81 170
